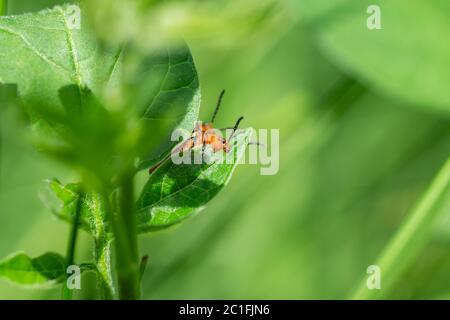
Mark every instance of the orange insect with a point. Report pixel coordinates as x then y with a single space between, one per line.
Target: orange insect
204 135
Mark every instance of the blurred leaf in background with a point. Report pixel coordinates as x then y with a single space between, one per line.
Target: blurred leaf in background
406 59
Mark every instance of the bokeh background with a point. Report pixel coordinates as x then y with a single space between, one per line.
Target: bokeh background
364 119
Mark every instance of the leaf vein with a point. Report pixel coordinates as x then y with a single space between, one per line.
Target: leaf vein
30 46
72 49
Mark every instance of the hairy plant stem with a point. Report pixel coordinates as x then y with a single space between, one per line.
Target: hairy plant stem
3 7
70 257
102 253
125 239
411 237
102 248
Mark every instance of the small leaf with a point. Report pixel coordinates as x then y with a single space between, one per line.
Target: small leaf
45 270
174 192
166 88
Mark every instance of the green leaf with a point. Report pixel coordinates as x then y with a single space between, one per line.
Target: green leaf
63 201
406 59
174 192
167 90
166 81
42 52
3 7
45 270
412 235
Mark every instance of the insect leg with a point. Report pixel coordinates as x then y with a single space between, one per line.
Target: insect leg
183 146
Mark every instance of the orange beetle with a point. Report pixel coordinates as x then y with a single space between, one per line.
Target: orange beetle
203 135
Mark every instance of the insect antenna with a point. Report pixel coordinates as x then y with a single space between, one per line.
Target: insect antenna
236 126
219 102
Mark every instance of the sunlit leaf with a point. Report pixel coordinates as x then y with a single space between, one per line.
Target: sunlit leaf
174 192
45 270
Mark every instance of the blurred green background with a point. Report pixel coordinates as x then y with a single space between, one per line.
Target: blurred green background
364 119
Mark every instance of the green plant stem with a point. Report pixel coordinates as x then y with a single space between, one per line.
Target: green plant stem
411 237
3 7
125 239
102 247
102 253
68 293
